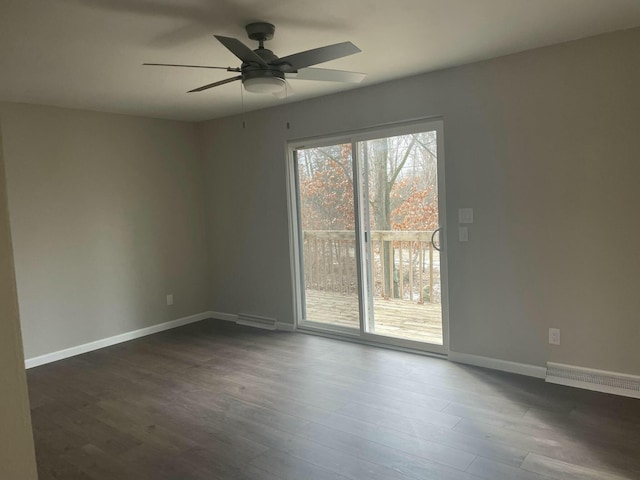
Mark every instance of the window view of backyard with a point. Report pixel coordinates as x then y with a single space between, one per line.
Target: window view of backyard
400 214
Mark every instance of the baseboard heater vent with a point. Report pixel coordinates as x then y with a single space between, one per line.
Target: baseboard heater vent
256 321
590 379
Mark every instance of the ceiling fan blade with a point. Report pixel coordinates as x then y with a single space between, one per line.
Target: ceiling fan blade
228 69
285 92
326 75
215 84
318 55
240 50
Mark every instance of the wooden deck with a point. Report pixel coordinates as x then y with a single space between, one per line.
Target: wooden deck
393 317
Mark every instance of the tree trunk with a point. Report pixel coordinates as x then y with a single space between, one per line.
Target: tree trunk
378 166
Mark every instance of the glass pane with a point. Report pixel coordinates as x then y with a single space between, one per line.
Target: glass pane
325 180
401 187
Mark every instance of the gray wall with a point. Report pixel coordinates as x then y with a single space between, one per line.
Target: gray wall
107 218
17 458
544 145
246 216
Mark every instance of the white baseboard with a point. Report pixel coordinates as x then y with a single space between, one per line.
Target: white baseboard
227 317
106 342
231 317
592 379
285 327
497 364
257 321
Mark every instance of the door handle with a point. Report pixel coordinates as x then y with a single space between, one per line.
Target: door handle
433 236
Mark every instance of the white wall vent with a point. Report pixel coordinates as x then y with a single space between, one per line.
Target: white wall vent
256 321
591 379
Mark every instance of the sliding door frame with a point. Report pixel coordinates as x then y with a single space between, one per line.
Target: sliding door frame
296 240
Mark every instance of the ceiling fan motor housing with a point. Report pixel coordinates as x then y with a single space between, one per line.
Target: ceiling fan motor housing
267 55
252 71
261 72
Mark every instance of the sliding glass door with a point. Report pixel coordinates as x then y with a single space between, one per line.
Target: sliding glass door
328 235
367 229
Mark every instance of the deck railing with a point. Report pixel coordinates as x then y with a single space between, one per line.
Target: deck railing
404 263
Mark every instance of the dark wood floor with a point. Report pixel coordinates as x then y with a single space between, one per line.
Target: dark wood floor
214 400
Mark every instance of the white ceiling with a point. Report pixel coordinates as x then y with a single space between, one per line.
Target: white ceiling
88 53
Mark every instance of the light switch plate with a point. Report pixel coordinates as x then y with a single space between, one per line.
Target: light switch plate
170 299
463 234
465 215
554 336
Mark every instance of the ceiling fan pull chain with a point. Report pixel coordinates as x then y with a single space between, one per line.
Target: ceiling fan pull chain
242 101
286 100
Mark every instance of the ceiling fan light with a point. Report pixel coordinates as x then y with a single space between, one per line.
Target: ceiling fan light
264 85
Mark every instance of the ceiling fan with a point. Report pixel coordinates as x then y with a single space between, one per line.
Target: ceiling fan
263 72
